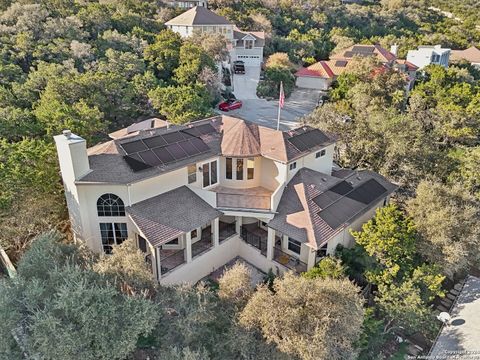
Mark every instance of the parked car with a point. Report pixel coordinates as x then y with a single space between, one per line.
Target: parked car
230 104
239 67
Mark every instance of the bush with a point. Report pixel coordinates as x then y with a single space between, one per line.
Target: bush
271 85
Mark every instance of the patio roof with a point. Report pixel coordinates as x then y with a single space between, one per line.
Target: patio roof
165 217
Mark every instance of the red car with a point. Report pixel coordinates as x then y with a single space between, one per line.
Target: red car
230 105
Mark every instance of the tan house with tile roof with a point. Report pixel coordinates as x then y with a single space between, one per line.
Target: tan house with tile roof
472 55
195 196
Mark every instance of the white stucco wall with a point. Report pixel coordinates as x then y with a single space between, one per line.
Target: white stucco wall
322 164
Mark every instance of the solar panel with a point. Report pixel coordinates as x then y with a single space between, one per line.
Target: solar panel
155 141
348 54
163 155
192 131
134 146
199 144
150 158
341 63
328 197
367 192
342 188
206 129
176 151
188 147
308 140
339 213
363 49
173 137
135 164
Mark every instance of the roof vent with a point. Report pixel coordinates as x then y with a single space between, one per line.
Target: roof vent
67 133
324 179
358 177
152 124
312 186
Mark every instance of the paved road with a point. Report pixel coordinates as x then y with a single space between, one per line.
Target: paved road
263 112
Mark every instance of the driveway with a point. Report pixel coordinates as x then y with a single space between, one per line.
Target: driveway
301 102
245 85
263 112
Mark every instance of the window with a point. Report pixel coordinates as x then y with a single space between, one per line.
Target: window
192 173
435 58
293 166
112 234
248 44
229 168
142 244
172 242
209 171
110 205
193 234
320 153
239 169
294 245
250 168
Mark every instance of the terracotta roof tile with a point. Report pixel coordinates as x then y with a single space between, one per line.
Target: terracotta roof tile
472 54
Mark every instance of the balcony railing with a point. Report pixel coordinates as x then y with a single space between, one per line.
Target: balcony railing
204 244
170 259
254 238
226 230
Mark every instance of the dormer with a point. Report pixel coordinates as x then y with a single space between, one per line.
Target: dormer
248 41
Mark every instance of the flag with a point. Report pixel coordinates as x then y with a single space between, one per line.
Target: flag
281 99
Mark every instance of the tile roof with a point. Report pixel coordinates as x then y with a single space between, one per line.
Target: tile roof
472 54
315 206
198 15
165 217
409 66
319 69
233 137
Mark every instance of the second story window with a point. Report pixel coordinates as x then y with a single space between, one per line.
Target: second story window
239 169
192 173
250 168
209 171
112 234
110 205
293 166
320 153
248 44
229 168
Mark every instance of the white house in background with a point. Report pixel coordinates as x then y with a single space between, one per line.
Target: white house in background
196 196
186 4
427 55
471 55
243 45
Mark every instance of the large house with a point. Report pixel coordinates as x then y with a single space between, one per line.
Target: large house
471 55
428 55
196 196
320 75
246 46
186 4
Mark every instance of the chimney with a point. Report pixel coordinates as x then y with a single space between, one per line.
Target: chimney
72 156
394 49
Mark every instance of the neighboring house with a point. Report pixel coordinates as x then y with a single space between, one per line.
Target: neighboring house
243 45
471 55
186 4
196 196
427 55
321 74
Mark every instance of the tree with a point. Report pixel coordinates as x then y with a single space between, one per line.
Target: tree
235 285
279 60
181 104
447 219
328 267
56 304
127 266
309 318
164 53
193 59
271 85
214 45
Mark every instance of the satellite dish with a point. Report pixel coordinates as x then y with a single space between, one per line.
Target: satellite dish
444 317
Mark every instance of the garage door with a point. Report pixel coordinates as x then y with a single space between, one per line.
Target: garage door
250 60
312 83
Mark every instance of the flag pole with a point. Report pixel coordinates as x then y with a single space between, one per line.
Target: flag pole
281 101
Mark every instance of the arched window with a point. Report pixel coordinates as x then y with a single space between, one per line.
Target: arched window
110 205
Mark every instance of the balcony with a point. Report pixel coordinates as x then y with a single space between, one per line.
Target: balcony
256 198
255 236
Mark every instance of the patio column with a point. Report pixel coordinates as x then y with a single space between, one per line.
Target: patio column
238 224
270 243
158 265
215 230
312 255
188 246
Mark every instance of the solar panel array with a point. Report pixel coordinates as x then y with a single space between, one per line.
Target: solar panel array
341 63
308 140
166 148
345 206
363 49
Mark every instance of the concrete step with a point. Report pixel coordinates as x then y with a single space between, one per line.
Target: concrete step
451 296
442 308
